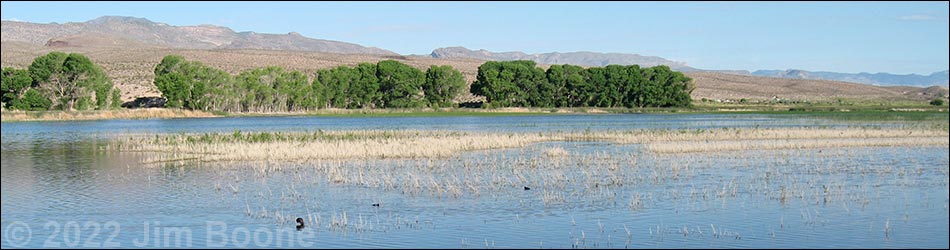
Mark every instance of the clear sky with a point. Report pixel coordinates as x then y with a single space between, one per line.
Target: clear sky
894 37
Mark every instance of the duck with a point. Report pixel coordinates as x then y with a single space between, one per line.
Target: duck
375 204
299 223
527 188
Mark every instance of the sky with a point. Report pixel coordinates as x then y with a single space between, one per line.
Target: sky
850 37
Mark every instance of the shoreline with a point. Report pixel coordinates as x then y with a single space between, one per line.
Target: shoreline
167 113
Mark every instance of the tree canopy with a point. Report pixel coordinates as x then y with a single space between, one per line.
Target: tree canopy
385 84
522 84
59 80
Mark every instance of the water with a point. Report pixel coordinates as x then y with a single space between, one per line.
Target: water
60 190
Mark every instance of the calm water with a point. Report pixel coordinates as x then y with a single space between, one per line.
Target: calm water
60 190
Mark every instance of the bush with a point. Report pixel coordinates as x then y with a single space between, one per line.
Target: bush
936 102
33 100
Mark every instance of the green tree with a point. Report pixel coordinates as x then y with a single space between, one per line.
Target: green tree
569 83
520 83
193 85
71 81
596 94
13 85
443 83
400 84
633 90
116 99
318 92
365 91
33 100
295 87
936 102
512 83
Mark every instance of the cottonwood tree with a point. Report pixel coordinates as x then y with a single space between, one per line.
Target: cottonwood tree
72 81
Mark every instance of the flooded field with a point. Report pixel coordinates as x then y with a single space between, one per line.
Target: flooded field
563 181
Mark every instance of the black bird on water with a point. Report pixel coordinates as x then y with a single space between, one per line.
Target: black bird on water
375 204
299 223
527 188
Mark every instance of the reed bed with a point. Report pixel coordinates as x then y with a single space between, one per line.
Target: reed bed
653 136
292 146
147 113
741 145
846 179
375 144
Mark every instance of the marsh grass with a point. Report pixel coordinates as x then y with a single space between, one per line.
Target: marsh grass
277 146
149 113
376 144
635 180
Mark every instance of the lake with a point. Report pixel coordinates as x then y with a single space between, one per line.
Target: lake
60 188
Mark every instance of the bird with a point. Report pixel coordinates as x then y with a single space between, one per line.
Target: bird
299 223
375 204
527 188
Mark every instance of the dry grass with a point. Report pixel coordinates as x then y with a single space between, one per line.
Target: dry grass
320 145
742 145
374 144
8 116
654 136
556 152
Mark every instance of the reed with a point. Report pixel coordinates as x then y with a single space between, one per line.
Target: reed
149 113
743 145
375 144
319 145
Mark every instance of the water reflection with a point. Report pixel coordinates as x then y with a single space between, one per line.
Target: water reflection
55 172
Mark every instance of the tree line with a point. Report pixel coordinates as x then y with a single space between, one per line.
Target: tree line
58 81
386 84
72 81
522 84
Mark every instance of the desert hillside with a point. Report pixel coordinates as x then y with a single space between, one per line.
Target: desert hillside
131 67
729 86
185 37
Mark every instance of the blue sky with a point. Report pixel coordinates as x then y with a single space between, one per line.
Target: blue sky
894 37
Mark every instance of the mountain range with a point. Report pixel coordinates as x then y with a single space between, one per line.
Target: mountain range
881 79
184 37
133 32
576 58
603 59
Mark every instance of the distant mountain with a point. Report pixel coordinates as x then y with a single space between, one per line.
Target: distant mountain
603 59
880 79
144 31
582 58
